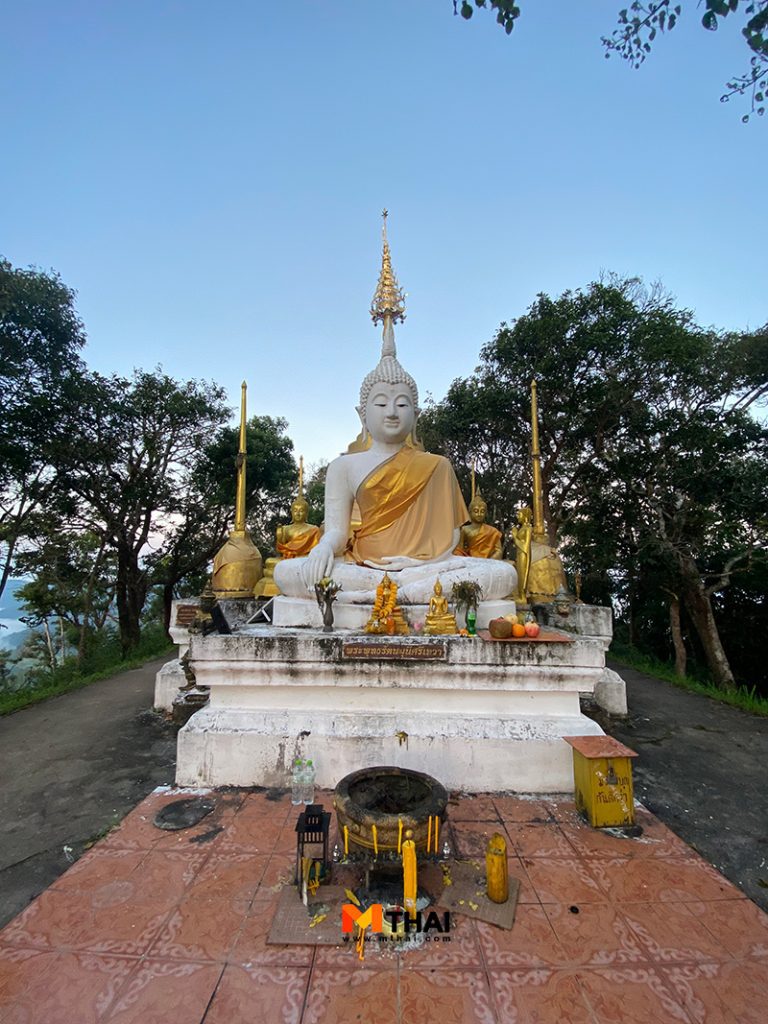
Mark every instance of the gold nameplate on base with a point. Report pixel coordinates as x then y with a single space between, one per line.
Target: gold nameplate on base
377 651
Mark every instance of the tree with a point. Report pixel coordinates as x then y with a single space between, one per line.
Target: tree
129 452
641 22
40 338
653 468
206 502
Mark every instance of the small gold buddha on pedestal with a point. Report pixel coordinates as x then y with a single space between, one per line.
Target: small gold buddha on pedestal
439 620
479 539
298 538
386 616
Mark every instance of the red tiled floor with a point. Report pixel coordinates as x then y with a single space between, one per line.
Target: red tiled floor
669 933
159 991
607 929
259 993
631 995
445 997
660 880
595 934
538 995
724 993
251 947
76 987
738 926
200 930
563 880
538 840
340 995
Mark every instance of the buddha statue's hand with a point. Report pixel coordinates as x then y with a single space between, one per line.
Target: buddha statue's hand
318 563
398 562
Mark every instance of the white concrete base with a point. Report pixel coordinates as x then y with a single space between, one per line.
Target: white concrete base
168 680
486 716
298 612
611 693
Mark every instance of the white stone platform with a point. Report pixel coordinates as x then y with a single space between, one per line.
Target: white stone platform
483 716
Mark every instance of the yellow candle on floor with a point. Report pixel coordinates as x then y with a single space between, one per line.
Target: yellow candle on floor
409 877
437 831
375 835
429 833
346 841
399 835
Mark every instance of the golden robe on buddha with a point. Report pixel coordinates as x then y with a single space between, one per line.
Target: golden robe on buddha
482 544
299 547
411 504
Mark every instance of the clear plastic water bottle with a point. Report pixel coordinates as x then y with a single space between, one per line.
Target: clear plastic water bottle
308 789
297 781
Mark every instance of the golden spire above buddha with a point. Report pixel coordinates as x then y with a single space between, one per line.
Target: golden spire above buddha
237 565
388 299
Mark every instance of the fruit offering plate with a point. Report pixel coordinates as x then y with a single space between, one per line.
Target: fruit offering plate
546 636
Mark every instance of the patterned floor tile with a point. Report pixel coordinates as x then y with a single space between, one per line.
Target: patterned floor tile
669 933
538 996
341 995
251 947
446 997
660 880
739 926
538 840
563 880
76 987
631 995
595 934
259 993
515 808
475 807
165 991
458 948
228 876
18 969
531 942
200 930
724 993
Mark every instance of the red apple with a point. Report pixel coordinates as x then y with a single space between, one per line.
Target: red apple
531 629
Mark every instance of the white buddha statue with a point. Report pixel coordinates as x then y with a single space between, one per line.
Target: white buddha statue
411 508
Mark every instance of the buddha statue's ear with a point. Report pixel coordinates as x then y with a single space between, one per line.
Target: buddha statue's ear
361 414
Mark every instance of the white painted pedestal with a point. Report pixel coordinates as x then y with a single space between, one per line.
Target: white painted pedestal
486 716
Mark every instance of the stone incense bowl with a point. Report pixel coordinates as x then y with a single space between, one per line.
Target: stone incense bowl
385 796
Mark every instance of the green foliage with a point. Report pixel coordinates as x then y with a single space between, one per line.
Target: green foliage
641 22
104 660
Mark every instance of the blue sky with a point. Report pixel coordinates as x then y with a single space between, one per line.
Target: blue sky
209 178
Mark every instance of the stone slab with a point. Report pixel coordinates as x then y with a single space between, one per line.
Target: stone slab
296 612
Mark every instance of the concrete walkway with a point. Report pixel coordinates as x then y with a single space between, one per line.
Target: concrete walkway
701 770
71 768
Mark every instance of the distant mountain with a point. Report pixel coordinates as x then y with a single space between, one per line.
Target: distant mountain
9 605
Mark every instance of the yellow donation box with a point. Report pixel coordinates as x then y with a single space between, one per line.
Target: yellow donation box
602 774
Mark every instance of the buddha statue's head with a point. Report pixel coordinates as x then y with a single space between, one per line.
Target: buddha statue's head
299 511
478 509
525 515
438 588
389 398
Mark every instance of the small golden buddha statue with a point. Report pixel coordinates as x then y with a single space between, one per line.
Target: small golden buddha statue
298 538
479 539
522 536
439 619
386 616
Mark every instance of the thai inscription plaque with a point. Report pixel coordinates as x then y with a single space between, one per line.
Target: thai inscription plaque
395 650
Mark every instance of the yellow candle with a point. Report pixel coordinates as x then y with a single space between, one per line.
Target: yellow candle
346 841
429 834
399 835
409 877
437 831
375 835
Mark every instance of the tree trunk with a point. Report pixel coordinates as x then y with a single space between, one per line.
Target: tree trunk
130 592
677 636
167 603
49 644
699 607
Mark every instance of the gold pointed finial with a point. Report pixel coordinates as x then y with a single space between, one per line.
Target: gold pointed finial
241 459
301 476
539 530
388 299
474 462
